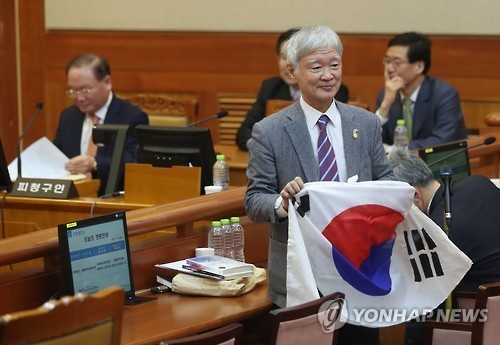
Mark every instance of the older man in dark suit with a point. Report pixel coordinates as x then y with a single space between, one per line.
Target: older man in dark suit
89 85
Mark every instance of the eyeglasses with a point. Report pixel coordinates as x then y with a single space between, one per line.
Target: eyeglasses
85 91
394 62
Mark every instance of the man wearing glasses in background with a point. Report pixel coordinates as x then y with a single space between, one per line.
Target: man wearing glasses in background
89 85
431 107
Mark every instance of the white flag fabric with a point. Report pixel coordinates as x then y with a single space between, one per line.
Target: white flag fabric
370 242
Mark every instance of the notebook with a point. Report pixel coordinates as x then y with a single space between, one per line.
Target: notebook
459 162
95 254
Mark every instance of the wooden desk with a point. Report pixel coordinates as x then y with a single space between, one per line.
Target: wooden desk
238 161
173 316
24 215
485 160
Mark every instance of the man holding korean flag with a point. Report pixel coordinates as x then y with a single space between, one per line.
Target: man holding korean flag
320 139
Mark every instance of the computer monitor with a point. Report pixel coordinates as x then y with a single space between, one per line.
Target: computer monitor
184 146
95 254
458 160
5 181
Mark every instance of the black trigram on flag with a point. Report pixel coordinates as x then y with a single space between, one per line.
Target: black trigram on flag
423 256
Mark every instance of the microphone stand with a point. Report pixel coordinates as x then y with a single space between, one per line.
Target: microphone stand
39 106
219 115
446 178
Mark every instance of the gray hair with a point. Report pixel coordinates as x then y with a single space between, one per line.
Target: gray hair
310 39
408 167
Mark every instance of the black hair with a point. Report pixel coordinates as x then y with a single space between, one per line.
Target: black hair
419 47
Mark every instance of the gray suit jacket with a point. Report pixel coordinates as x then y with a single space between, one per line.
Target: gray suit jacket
281 149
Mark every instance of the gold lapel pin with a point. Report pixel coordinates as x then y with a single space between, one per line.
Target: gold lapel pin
355 133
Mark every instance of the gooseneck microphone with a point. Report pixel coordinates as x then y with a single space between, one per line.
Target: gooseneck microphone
219 115
487 141
446 178
39 107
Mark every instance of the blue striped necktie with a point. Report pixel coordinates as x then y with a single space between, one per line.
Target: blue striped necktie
328 170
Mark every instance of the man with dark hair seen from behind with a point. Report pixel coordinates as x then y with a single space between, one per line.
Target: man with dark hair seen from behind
475 222
431 107
89 86
279 87
283 152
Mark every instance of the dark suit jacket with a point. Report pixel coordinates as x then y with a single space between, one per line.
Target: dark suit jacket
437 115
475 227
281 149
272 88
69 133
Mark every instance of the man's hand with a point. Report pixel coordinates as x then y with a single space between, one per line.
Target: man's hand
290 190
80 164
392 87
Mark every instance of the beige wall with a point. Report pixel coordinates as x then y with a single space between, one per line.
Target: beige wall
461 17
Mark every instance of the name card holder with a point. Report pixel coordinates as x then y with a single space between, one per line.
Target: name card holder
44 188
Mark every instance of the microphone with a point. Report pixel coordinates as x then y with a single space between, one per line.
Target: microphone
219 115
446 178
487 141
39 107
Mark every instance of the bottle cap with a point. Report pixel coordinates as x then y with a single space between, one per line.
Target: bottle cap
235 219
216 223
224 221
212 189
401 122
219 157
204 251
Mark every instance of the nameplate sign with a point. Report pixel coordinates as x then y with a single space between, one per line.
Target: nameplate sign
44 188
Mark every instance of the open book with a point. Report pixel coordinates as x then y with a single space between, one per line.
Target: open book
212 266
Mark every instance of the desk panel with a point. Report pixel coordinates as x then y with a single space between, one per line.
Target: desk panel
24 215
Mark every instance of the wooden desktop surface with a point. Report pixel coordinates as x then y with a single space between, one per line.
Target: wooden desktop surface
484 160
174 316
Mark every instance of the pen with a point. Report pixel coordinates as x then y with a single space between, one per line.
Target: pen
155 290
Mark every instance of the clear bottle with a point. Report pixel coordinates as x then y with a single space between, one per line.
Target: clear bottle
221 172
238 239
228 238
401 135
216 238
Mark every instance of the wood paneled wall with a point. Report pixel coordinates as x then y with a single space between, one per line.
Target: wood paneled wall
209 63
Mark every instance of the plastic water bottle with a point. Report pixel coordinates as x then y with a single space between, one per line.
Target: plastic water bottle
401 135
228 238
221 172
216 238
238 239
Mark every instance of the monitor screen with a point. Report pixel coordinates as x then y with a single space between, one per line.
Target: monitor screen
168 146
5 181
458 159
95 254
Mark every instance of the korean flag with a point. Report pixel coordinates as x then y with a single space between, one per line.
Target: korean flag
370 242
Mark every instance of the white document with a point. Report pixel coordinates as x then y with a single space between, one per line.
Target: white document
42 159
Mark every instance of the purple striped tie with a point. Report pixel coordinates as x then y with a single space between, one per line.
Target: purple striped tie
328 170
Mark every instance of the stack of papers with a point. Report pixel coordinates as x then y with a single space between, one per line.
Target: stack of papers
212 266
43 159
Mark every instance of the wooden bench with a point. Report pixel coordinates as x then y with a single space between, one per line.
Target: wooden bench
165 109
